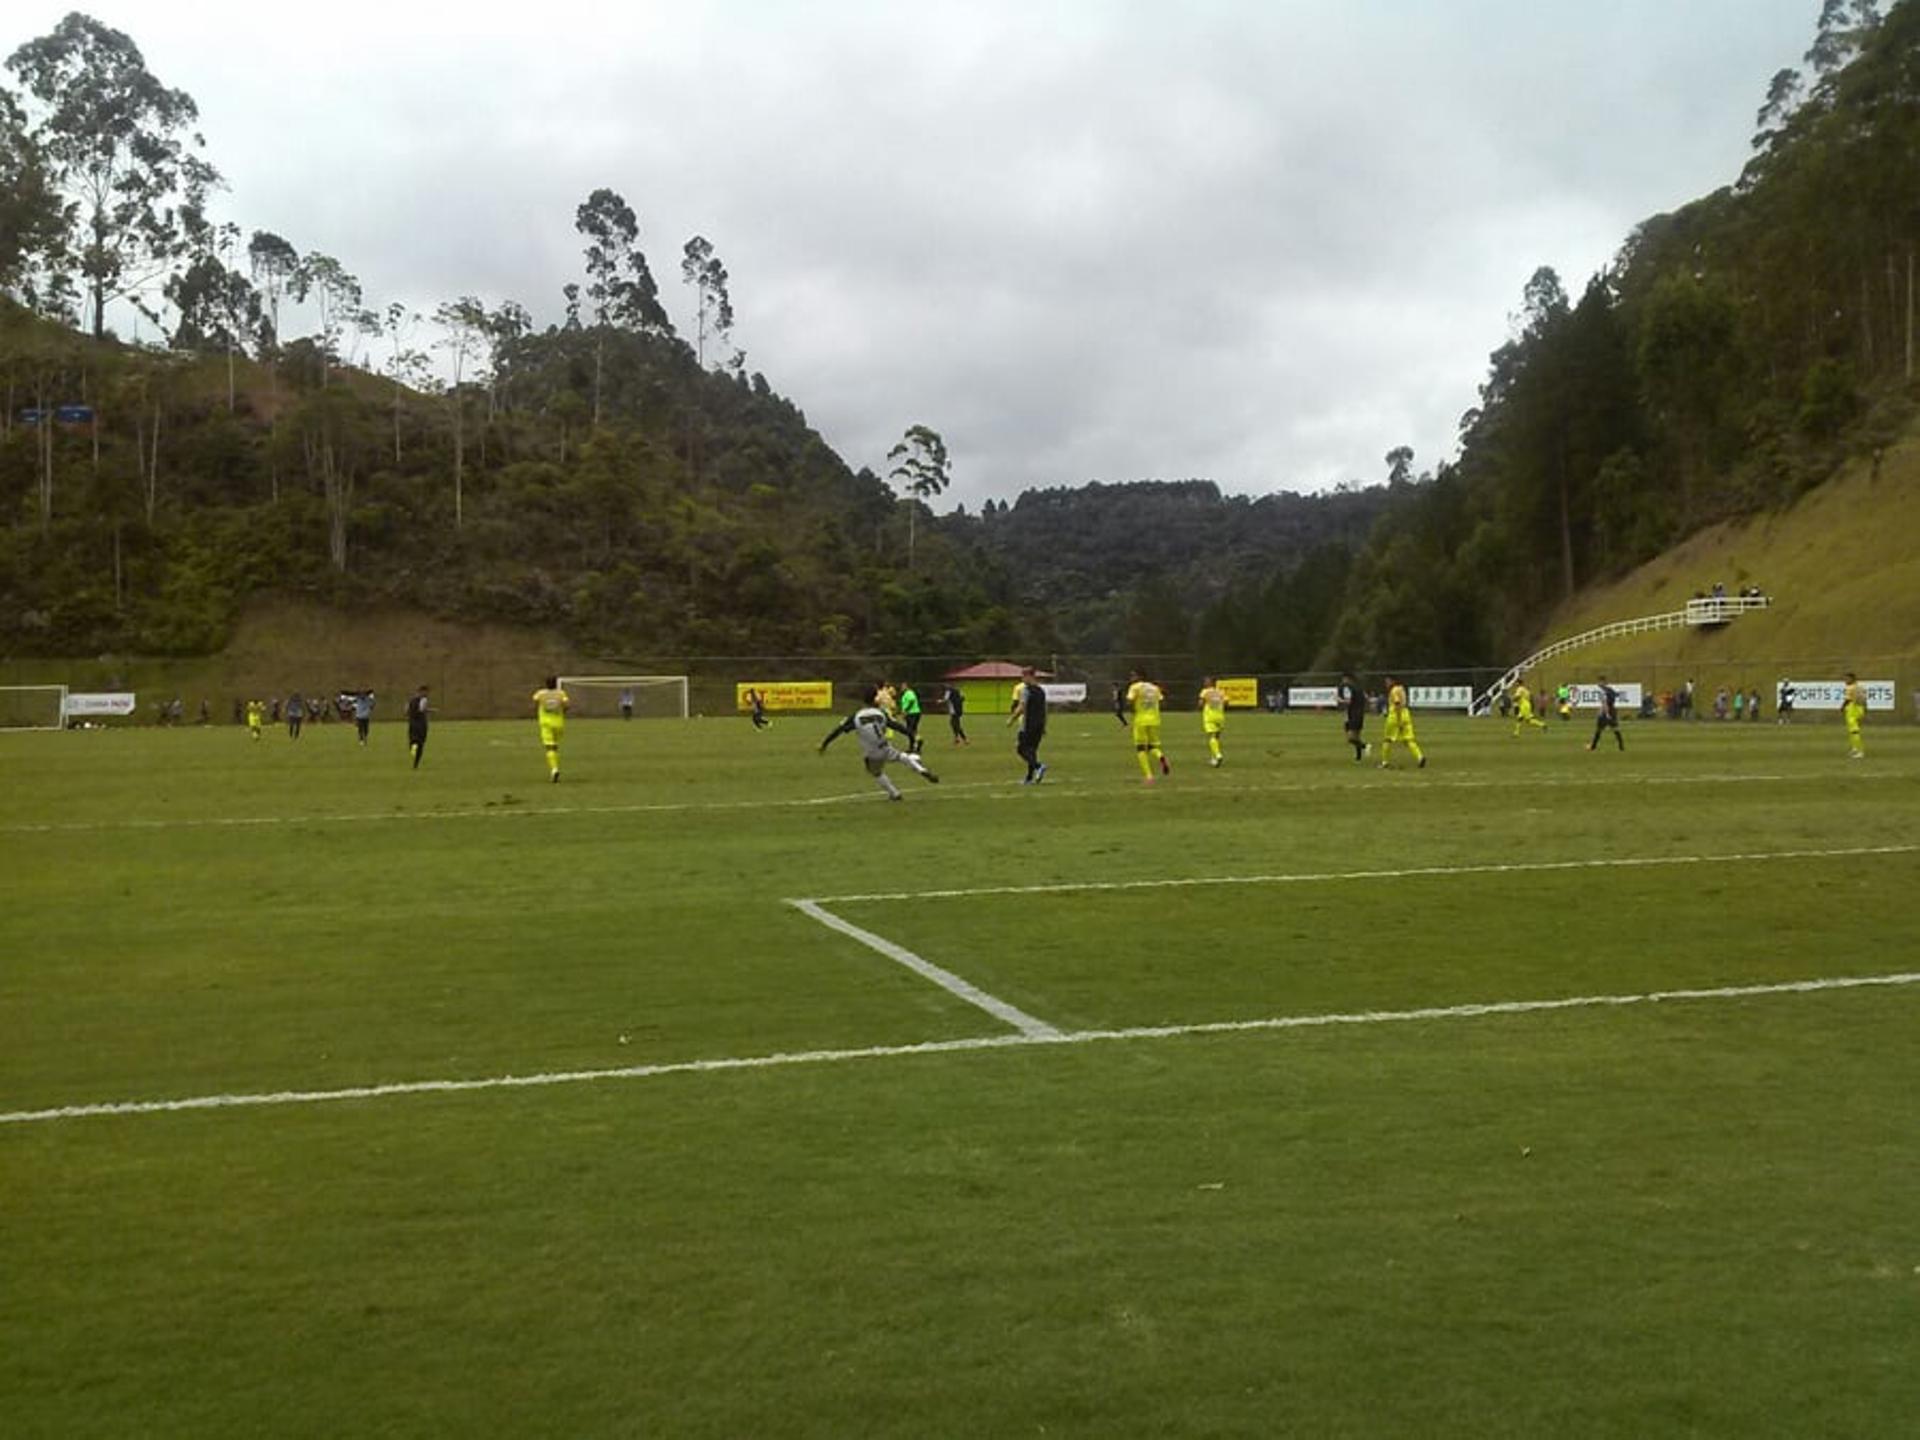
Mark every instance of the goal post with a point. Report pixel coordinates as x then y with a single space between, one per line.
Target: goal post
33 707
616 697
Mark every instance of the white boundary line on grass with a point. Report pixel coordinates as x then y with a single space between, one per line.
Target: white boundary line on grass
943 1047
1516 867
926 969
1002 790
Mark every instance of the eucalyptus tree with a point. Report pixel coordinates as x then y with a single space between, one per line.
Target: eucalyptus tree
619 282
465 337
922 469
274 265
122 153
337 294
215 306
713 303
33 217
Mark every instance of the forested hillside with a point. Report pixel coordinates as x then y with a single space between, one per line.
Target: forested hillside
641 491
1736 353
637 489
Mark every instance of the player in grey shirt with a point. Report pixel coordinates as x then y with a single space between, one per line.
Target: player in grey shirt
870 725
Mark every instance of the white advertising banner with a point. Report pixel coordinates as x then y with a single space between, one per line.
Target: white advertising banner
1440 697
1832 694
1629 693
1065 694
103 704
1313 697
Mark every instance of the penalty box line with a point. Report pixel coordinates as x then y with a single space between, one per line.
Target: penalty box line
1515 867
1489 1009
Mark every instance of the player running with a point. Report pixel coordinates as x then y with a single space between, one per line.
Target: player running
1608 718
1353 698
1523 709
1213 719
1853 709
256 714
1143 700
550 706
757 708
1399 726
956 715
870 725
910 715
1030 709
417 725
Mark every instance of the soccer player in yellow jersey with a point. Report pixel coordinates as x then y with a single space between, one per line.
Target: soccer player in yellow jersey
550 705
1854 709
256 712
1213 718
1523 708
1399 725
1143 699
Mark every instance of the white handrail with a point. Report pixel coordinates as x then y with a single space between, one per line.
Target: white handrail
1702 611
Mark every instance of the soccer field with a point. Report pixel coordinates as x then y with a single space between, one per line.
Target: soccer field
707 1093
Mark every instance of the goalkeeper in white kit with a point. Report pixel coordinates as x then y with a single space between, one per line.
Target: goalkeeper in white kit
870 725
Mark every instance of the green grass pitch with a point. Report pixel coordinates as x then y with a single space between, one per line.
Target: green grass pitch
1387 1212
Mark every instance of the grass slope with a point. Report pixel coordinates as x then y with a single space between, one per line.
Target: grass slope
1840 565
1685 1218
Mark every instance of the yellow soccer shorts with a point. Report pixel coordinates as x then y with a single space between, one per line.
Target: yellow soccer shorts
550 733
1146 734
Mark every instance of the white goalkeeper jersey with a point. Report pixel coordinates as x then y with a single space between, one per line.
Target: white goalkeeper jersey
870 727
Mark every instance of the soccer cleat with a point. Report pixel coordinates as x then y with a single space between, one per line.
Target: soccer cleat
929 777
1383 765
1165 768
896 796
1367 749
1215 762
556 777
1423 763
1040 773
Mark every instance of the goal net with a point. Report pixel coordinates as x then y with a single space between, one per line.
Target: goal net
614 697
33 707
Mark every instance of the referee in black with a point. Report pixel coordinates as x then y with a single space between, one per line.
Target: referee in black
1609 717
1354 698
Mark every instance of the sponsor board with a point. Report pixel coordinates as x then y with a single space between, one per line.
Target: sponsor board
1628 696
1242 691
1440 697
786 694
1313 697
1832 694
1065 694
101 704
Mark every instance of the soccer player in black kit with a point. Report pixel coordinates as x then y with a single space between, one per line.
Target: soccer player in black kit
1030 709
1354 698
417 724
1609 717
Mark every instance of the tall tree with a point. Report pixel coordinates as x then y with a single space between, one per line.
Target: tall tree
122 150
337 294
619 282
702 269
464 336
275 265
922 469
33 217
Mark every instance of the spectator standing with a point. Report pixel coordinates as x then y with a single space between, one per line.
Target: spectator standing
296 714
363 713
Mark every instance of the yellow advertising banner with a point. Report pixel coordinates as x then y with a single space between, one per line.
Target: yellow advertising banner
1244 691
786 694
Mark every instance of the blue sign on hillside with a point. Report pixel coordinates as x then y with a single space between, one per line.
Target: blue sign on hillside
60 414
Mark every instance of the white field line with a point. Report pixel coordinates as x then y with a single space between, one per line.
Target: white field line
942 1047
927 970
949 793
1518 867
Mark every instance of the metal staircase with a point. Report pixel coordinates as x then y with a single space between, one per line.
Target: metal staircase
1705 614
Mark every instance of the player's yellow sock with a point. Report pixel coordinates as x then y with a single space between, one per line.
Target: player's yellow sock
1413 749
1146 766
553 759
1213 745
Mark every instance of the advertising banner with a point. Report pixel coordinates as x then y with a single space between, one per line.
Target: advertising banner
102 704
1587 697
1832 694
1440 697
786 694
1313 697
1065 694
1243 691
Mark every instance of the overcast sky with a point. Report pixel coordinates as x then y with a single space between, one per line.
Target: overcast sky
1259 241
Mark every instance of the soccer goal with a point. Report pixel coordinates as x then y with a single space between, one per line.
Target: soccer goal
644 697
33 707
